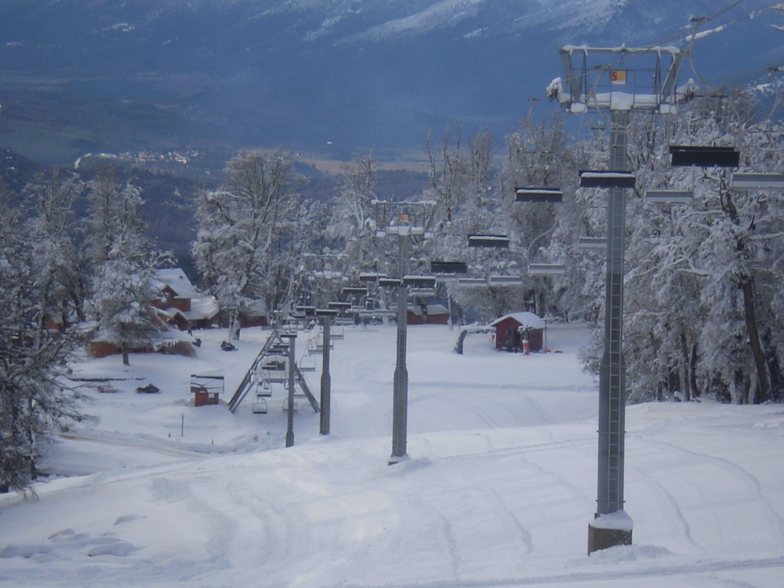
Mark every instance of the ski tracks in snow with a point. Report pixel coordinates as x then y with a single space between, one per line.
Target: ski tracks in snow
680 482
714 573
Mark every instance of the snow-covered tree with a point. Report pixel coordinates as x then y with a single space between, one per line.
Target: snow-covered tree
465 186
702 313
448 174
740 252
353 224
61 265
124 262
540 156
316 256
244 231
32 397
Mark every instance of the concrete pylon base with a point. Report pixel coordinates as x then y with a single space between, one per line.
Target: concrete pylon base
599 539
397 459
607 531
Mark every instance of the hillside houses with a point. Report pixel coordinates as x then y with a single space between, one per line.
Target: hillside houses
179 304
177 307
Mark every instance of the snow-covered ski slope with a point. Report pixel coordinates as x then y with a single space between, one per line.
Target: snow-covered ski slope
499 489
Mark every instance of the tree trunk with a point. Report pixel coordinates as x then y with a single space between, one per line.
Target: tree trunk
737 388
234 328
763 378
695 391
124 350
683 369
31 441
749 307
541 309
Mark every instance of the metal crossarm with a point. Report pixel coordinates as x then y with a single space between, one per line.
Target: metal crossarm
448 267
704 156
390 282
497 241
669 196
592 243
546 269
354 291
752 181
413 281
607 179
538 195
499 280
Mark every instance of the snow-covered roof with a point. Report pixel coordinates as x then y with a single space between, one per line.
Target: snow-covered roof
255 308
526 319
170 335
202 308
169 312
176 279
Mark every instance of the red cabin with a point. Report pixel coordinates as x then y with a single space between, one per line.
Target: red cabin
513 329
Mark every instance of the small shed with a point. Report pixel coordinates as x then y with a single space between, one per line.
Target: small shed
206 389
512 329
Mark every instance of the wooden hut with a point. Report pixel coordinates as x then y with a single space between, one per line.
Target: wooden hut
513 329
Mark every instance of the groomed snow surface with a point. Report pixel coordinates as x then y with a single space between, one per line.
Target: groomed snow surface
499 489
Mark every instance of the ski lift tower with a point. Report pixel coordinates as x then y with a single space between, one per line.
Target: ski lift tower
409 222
619 81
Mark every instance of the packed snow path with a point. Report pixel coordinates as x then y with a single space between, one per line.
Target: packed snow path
499 489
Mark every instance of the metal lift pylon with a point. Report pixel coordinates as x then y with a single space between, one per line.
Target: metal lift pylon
619 80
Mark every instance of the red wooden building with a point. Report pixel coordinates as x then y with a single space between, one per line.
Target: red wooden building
428 314
179 304
511 330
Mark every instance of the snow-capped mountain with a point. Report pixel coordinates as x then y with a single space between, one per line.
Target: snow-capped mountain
304 74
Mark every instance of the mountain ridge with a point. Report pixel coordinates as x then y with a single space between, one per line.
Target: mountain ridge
333 77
